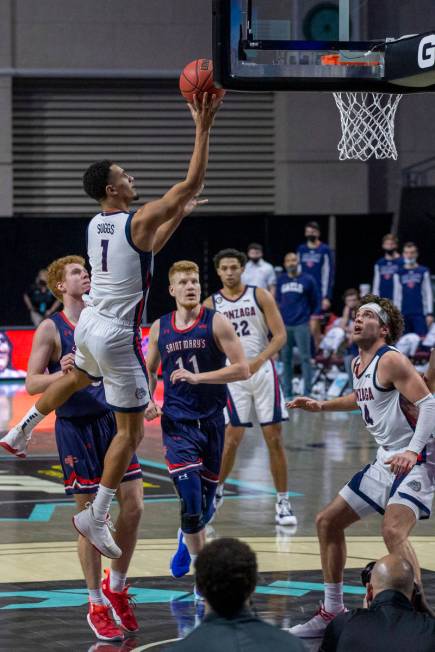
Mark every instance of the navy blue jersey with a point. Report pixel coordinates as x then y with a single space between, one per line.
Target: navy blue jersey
318 262
413 291
297 298
385 268
193 349
88 402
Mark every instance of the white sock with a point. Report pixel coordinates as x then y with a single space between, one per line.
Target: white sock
220 489
96 596
334 597
102 502
281 496
117 581
30 420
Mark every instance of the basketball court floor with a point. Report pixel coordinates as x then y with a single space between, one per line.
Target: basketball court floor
43 600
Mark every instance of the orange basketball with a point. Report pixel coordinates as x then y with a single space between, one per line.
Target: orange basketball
197 77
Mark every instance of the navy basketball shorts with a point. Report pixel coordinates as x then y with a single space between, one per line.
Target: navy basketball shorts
194 445
82 443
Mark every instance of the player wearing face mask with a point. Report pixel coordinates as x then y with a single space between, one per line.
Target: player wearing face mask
412 292
386 267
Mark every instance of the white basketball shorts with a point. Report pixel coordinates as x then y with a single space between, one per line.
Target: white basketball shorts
111 351
375 487
261 392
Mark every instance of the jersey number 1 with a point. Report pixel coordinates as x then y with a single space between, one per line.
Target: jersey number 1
192 359
104 246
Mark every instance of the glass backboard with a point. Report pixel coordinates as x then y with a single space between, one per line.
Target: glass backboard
312 44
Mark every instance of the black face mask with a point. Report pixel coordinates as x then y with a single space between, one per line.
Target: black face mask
390 251
311 238
254 260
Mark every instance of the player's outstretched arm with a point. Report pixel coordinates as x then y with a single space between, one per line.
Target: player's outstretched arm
44 347
341 404
430 373
395 369
147 219
153 360
227 340
276 326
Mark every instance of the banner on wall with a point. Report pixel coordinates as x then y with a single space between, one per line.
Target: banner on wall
15 347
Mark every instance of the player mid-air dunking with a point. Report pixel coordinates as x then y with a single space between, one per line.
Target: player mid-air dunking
193 344
121 245
254 314
399 484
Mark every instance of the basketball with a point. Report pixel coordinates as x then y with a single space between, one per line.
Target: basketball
197 77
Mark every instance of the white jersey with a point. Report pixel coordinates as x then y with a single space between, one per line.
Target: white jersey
388 416
120 273
247 319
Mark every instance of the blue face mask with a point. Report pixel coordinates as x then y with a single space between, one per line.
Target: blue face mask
409 260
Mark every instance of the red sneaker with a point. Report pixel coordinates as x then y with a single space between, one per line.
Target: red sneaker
101 623
122 604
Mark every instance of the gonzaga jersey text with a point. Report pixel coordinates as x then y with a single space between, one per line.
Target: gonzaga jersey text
388 416
193 349
247 318
121 273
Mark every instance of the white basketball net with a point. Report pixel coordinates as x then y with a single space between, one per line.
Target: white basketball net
367 123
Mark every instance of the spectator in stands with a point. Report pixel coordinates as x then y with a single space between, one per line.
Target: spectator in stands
316 259
413 292
297 298
39 300
226 575
7 369
386 267
257 271
390 622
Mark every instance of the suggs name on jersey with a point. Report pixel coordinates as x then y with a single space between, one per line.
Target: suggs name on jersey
106 228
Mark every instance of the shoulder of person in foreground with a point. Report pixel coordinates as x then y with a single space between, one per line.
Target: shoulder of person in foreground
210 635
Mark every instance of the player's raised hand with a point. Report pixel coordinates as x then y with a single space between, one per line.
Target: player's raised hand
184 376
152 411
204 111
67 363
193 203
402 463
305 403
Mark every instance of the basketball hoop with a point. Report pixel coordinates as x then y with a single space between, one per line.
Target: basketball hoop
367 119
367 124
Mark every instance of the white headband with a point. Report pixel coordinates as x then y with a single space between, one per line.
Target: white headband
376 308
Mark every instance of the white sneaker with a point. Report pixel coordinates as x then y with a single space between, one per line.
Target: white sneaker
284 514
315 627
97 532
16 442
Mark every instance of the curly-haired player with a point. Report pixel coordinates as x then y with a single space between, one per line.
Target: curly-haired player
398 484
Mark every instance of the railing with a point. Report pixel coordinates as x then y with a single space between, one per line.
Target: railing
417 174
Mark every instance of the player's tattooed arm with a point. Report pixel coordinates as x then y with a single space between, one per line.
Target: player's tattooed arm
341 404
45 348
276 326
153 361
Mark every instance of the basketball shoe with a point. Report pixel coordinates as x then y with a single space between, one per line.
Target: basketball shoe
101 623
284 514
180 561
121 603
16 442
315 627
98 532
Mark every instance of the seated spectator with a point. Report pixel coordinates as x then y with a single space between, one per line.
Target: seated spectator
38 299
390 622
226 575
